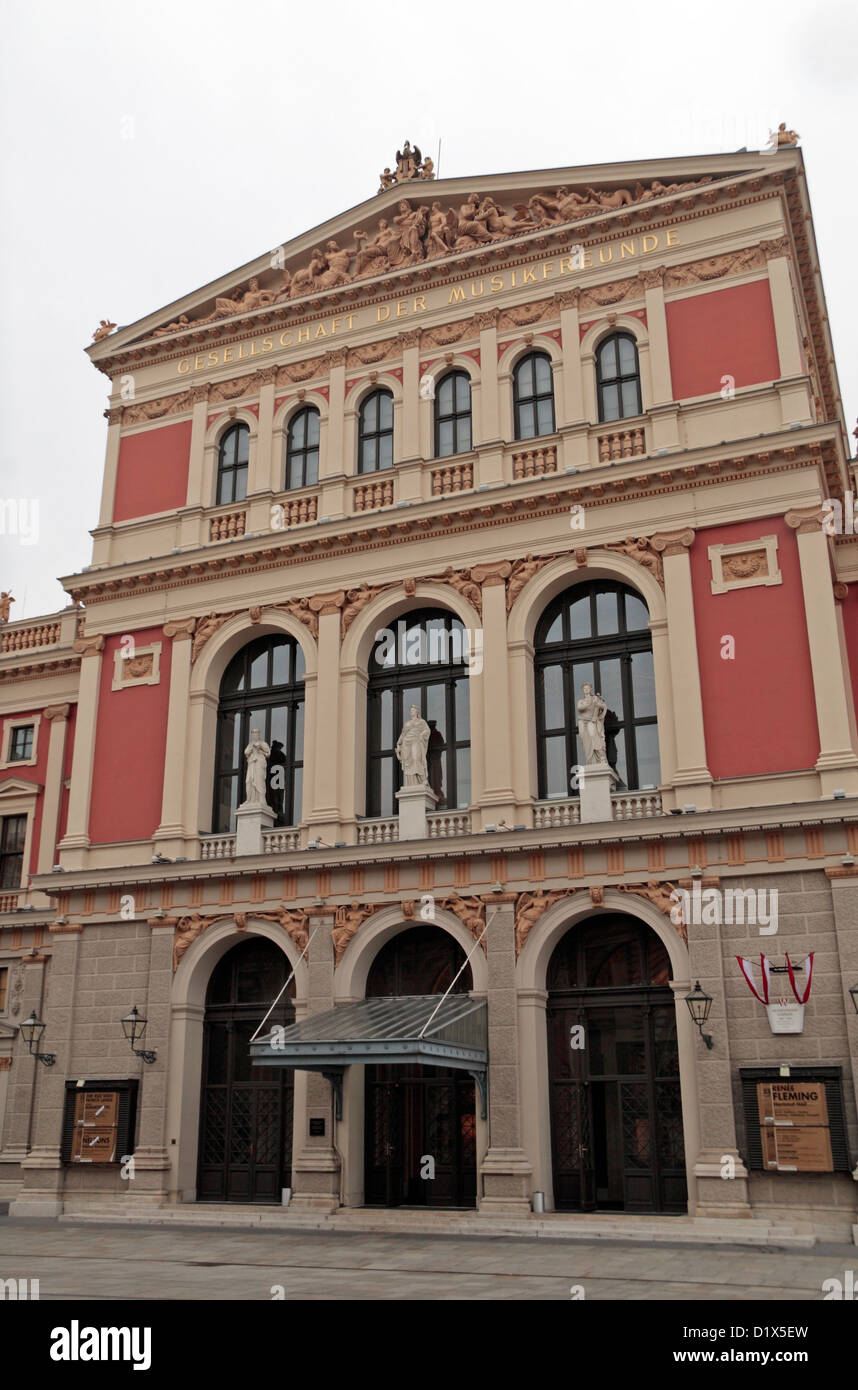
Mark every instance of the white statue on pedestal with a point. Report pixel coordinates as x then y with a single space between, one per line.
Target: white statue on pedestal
411 749
256 753
591 726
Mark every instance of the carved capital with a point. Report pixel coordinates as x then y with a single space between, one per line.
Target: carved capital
200 393
806 519
778 247
53 712
337 357
489 575
410 338
653 277
328 603
182 630
266 376
89 646
673 542
568 299
489 319
113 416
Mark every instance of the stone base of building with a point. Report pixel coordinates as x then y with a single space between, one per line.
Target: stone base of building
507 1178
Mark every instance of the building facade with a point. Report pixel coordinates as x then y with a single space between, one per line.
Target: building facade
472 447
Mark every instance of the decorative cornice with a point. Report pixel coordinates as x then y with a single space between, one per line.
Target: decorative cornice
65 928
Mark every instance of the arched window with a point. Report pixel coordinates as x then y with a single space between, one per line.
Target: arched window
596 633
422 661
453 415
262 688
232 464
533 396
302 448
375 433
618 380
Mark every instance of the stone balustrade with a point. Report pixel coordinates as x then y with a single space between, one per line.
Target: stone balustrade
279 841
217 847
534 463
456 477
621 444
24 639
378 832
227 526
366 497
441 826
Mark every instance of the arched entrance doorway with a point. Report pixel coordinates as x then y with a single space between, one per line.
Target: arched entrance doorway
420 1120
245 1149
616 1110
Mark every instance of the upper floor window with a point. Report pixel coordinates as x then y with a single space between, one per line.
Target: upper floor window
262 688
13 830
596 634
453 415
533 396
302 449
375 433
21 743
4 979
422 661
232 464
618 380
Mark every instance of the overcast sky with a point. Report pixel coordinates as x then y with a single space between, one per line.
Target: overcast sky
148 148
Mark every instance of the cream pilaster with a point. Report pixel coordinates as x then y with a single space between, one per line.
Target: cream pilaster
837 763
691 772
490 428
505 1171
322 799
316 1173
111 465
170 833
498 798
332 456
192 524
75 843
663 412
783 308
266 467
57 716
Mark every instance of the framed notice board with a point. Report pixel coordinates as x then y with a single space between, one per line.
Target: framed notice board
795 1123
99 1121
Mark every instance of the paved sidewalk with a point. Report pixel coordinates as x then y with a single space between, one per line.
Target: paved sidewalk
113 1262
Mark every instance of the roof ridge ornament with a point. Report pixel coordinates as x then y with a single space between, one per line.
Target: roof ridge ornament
410 164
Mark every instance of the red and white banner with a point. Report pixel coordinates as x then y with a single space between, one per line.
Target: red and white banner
808 969
746 968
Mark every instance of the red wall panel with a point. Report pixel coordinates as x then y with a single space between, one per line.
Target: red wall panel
130 746
759 711
723 333
152 472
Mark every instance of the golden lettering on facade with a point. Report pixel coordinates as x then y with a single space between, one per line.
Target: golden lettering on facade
459 294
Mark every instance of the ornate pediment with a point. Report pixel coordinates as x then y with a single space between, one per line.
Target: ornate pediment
410 238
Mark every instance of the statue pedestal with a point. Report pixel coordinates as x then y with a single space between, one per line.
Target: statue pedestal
596 781
250 821
415 803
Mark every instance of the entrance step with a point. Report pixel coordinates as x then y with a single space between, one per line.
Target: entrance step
658 1230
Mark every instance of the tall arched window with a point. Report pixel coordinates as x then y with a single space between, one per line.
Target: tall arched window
302 448
453 415
262 688
232 464
375 433
422 660
618 379
533 396
596 633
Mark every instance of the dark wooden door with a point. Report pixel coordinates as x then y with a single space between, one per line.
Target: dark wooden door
616 1109
245 1146
420 1137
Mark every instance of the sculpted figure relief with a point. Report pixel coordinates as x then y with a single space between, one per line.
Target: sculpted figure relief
415 234
529 909
411 749
470 912
347 920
